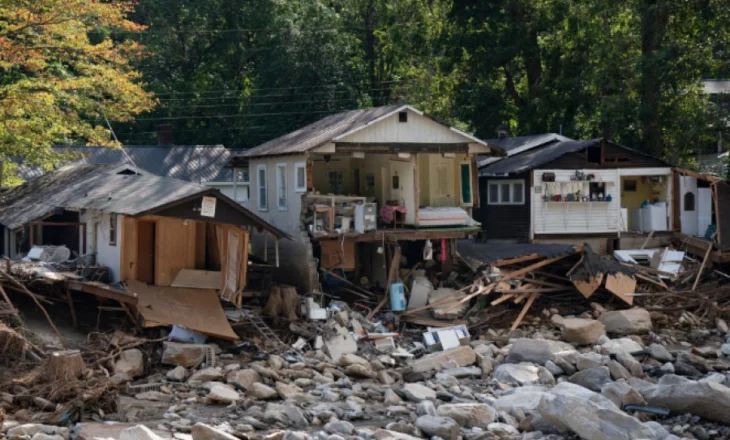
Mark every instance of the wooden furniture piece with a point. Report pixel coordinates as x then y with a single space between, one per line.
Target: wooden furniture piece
329 215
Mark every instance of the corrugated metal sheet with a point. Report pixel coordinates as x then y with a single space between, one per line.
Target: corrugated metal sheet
198 163
320 132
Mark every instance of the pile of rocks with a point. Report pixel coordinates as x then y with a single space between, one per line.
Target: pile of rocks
592 376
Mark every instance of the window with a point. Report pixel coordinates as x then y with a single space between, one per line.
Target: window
689 201
630 185
300 177
113 230
403 117
506 192
241 192
263 195
593 154
335 180
281 186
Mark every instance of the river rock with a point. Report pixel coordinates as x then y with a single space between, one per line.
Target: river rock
590 419
263 392
526 399
352 359
177 374
206 375
244 379
183 355
130 363
517 374
139 432
592 378
581 331
709 400
31 429
627 345
339 427
461 356
443 427
461 372
626 322
537 351
469 415
359 370
416 392
621 393
223 394
201 431
660 353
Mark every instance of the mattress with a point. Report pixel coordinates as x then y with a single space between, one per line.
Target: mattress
443 217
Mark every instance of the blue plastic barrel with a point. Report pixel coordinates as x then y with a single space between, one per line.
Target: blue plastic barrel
397 297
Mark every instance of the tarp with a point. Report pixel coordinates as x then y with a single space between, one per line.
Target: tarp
194 309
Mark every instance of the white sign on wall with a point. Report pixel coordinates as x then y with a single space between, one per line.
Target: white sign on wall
207 208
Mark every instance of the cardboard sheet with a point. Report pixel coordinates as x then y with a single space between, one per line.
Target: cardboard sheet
194 309
197 279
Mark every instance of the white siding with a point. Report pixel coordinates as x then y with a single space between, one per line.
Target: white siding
573 217
106 254
417 129
286 220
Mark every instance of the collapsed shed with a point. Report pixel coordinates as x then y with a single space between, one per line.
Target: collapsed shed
153 230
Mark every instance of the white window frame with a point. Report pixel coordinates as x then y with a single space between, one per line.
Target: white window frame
511 184
262 204
281 193
300 166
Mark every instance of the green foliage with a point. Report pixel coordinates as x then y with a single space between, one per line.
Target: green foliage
61 76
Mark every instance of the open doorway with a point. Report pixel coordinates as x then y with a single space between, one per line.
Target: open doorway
146 252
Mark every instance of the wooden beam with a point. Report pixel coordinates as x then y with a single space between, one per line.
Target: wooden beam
401 147
522 314
503 298
702 267
392 274
510 261
648 238
530 268
72 308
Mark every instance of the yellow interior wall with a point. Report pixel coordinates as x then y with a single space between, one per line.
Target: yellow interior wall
644 191
320 170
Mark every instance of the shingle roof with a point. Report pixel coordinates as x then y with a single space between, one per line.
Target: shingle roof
327 129
534 158
199 164
102 188
518 144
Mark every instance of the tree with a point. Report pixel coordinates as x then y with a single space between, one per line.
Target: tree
62 75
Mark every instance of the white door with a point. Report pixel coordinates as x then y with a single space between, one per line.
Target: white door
688 205
442 184
704 210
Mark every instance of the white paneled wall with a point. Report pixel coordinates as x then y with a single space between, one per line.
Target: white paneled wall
576 217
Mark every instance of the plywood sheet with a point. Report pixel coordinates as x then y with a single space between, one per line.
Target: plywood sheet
621 285
128 269
338 255
175 248
197 279
194 309
587 288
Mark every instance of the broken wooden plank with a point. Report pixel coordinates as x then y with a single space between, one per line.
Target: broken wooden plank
702 267
198 279
621 285
510 261
521 316
588 288
532 267
648 238
503 298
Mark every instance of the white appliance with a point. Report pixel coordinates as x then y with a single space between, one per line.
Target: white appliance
366 217
650 218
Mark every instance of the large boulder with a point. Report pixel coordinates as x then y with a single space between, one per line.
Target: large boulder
537 351
443 427
626 322
184 355
461 356
589 418
130 363
709 400
592 378
517 374
416 392
582 331
244 379
469 415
